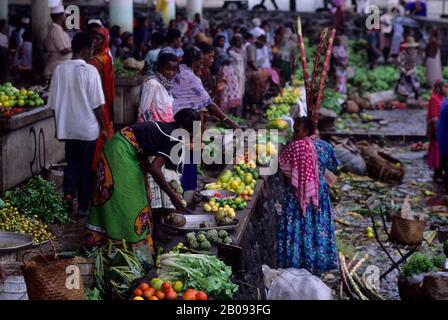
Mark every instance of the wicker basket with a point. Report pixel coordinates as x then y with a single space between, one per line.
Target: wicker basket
407 232
46 280
380 165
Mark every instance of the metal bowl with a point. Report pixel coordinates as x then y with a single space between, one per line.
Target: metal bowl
11 241
223 194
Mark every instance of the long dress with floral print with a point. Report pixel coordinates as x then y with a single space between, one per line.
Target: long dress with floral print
308 241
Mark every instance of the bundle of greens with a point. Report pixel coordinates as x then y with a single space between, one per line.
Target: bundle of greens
121 71
332 100
379 79
422 263
198 271
116 270
38 197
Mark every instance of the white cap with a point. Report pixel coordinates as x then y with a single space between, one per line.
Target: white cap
58 9
97 21
25 20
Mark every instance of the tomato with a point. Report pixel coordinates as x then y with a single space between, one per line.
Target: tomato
148 293
160 295
137 293
171 295
153 298
201 295
190 294
166 286
143 286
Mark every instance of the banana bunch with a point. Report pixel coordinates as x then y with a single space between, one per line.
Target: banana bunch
213 186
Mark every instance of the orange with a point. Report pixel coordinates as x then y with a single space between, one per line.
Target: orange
153 298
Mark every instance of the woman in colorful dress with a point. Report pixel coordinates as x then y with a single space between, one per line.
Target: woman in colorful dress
102 61
228 97
306 236
340 63
438 94
189 92
120 208
156 104
238 55
408 84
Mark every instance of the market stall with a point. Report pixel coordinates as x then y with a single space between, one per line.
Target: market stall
27 136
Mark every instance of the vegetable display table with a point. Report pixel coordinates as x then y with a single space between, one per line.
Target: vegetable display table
28 145
127 98
254 240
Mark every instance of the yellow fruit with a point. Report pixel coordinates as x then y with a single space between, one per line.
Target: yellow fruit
214 209
238 200
234 184
226 206
224 178
248 178
138 298
250 192
207 207
370 235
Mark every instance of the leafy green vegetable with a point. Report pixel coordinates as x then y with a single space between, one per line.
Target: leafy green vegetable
332 100
116 270
198 271
38 197
421 263
90 294
121 71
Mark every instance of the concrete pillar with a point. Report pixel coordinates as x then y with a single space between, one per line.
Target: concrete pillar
40 22
193 7
4 10
121 14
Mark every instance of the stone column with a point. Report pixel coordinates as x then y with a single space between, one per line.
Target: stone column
4 10
193 7
40 22
121 14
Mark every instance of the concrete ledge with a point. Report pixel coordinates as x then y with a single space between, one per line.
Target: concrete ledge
23 119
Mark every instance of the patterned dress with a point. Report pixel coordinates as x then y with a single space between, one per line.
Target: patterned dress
308 241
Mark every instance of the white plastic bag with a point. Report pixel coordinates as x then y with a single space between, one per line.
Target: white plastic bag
294 284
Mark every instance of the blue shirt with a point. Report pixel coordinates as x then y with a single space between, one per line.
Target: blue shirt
411 7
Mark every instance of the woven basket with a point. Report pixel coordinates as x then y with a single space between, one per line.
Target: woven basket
380 165
47 280
407 232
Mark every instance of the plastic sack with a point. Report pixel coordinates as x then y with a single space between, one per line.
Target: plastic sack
294 284
350 158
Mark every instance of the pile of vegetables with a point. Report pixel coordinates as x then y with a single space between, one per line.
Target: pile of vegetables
38 198
380 78
333 100
200 272
11 220
12 100
116 270
121 71
203 240
157 289
422 263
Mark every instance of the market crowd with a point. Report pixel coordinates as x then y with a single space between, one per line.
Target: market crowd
193 70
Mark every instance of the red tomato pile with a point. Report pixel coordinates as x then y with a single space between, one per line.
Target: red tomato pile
159 290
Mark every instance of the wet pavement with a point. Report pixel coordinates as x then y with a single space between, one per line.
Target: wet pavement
390 123
352 191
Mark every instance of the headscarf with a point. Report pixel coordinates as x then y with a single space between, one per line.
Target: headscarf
299 163
436 100
188 91
221 60
105 33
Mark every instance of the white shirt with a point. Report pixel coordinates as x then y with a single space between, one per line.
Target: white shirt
75 91
57 40
263 58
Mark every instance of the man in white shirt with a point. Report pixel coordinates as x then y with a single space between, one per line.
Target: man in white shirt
76 96
57 42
